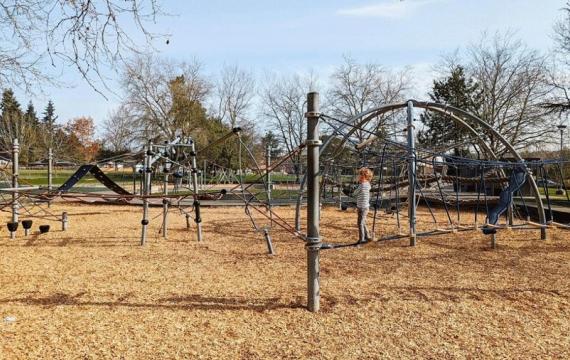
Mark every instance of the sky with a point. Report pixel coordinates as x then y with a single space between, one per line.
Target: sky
301 36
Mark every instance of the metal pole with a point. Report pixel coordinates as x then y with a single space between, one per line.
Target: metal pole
134 180
144 191
142 179
339 186
204 175
268 174
412 174
64 221
313 232
268 241
561 141
198 219
560 190
165 208
50 173
15 174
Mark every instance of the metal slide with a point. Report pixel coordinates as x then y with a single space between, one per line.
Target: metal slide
516 181
97 174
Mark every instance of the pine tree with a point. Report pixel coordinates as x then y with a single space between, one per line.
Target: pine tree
14 124
271 140
11 124
49 128
455 91
49 116
31 116
32 123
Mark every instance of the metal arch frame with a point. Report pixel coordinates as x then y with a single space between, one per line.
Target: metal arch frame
458 116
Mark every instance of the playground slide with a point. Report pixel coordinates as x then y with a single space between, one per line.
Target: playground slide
516 181
97 174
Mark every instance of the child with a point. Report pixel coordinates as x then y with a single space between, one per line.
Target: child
363 202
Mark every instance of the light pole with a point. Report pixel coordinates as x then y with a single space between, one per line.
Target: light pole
561 127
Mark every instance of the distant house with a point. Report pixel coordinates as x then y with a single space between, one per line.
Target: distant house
61 163
113 165
44 163
37 164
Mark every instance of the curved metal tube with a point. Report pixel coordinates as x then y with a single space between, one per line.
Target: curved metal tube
454 113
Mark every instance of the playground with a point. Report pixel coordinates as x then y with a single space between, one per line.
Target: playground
466 255
384 179
94 292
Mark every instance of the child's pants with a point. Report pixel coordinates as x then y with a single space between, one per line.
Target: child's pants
362 229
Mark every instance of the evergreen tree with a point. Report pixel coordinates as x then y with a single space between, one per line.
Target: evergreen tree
33 124
31 116
49 130
14 124
49 116
455 91
11 124
9 103
270 139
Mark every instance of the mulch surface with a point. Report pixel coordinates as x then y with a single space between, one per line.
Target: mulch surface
93 292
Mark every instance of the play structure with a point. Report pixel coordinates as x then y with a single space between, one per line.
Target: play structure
408 177
16 199
403 159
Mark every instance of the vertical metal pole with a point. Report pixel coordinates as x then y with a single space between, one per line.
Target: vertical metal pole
64 221
268 241
412 174
134 180
339 186
561 186
198 219
268 174
15 174
50 173
144 191
313 231
561 141
141 186
165 208
204 175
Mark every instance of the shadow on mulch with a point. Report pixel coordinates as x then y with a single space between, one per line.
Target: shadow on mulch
35 240
454 294
439 294
189 302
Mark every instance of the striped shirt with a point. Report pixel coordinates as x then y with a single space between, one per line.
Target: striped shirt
363 195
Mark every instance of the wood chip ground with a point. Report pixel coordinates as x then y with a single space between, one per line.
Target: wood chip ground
92 292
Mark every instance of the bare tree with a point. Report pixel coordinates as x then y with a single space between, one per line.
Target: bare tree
558 101
562 31
152 85
232 99
358 87
283 103
234 93
85 34
119 130
512 80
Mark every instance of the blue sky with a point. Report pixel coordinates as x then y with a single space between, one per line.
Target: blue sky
300 36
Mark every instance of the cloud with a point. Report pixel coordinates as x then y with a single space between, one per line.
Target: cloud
394 9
